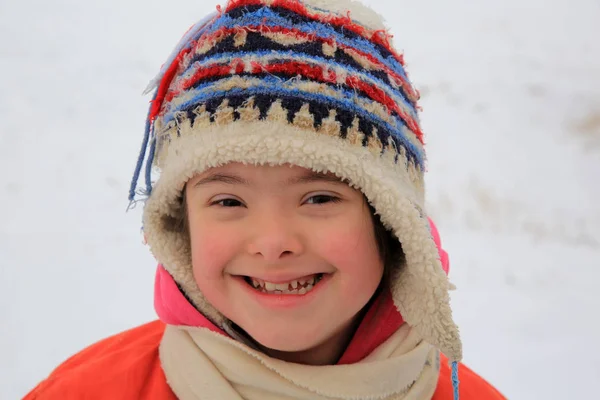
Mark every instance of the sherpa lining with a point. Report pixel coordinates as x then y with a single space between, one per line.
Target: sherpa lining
420 291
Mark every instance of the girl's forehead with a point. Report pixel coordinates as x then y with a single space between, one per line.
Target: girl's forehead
248 174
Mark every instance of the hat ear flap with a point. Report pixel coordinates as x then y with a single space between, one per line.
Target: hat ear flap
438 242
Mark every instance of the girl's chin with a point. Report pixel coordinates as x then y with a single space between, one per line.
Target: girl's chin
289 344
297 340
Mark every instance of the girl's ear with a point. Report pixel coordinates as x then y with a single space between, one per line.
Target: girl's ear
438 242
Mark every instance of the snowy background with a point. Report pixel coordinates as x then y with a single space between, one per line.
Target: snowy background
511 98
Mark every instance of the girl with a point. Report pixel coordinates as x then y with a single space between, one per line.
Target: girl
296 257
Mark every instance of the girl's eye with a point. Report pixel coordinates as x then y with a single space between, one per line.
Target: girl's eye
323 199
227 203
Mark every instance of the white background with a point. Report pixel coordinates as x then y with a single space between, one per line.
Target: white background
511 98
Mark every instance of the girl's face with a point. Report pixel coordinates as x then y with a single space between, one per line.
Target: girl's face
287 254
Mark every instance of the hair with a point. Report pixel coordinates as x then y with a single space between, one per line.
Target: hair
390 248
388 245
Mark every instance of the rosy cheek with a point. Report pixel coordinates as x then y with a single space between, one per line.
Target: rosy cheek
209 253
350 251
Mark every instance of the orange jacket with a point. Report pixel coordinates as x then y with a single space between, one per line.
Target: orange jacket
126 366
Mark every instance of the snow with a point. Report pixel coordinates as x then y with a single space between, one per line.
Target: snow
511 99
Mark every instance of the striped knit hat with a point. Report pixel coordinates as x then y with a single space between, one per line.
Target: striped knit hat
311 83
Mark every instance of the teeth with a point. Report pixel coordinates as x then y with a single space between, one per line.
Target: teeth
296 287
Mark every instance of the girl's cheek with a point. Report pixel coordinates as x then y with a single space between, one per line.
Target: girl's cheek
210 251
347 240
353 250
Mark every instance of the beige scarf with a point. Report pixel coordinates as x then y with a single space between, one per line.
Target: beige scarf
201 364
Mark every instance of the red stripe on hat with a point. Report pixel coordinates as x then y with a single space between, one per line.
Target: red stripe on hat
380 37
165 82
381 97
293 68
222 33
310 71
201 74
316 72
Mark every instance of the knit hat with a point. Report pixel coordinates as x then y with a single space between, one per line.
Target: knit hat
313 83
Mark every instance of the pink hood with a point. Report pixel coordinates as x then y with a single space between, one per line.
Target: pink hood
380 322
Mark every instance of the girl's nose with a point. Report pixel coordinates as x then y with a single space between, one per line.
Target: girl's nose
274 238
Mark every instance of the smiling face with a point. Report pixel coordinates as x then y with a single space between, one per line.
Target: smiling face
287 254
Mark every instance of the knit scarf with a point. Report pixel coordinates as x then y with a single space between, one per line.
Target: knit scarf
201 364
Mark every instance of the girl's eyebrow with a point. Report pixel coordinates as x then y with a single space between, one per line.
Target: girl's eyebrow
313 176
232 179
222 178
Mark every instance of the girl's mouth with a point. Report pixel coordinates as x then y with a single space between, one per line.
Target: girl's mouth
295 287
